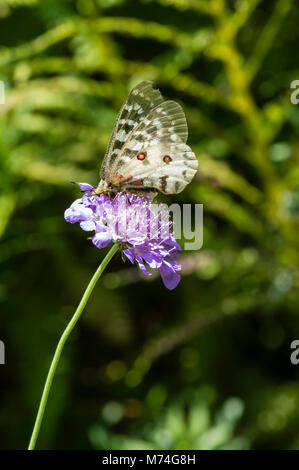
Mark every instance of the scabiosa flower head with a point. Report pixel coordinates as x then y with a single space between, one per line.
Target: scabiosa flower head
143 229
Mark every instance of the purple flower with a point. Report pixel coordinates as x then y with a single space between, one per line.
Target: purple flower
143 229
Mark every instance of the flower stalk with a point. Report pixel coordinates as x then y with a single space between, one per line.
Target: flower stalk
62 341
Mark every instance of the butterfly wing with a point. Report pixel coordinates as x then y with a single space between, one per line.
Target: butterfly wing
153 153
141 100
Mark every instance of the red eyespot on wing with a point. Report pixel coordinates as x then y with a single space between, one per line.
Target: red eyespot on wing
167 159
141 156
137 183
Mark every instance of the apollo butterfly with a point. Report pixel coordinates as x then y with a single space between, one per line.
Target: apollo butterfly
147 149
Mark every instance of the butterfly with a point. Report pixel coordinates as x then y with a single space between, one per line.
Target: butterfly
147 149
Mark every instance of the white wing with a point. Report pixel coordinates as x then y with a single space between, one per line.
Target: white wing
153 153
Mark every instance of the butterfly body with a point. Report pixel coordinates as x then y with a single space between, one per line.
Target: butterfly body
147 149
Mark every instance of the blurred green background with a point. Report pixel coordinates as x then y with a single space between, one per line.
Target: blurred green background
206 366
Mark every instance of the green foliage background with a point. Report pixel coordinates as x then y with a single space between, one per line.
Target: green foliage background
207 365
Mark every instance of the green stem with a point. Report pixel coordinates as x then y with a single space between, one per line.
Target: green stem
60 345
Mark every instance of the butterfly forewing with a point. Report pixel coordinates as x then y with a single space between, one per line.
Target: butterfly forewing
139 103
148 145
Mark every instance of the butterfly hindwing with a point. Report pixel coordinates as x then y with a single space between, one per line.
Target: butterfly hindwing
168 168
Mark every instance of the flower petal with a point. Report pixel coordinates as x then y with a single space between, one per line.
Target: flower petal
142 266
169 276
130 254
88 225
77 212
154 260
101 239
84 186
